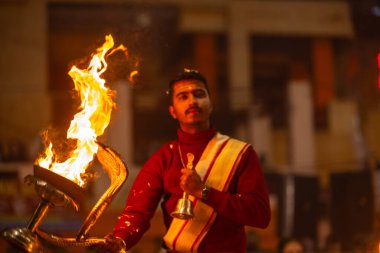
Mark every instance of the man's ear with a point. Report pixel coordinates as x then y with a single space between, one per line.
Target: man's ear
211 107
171 111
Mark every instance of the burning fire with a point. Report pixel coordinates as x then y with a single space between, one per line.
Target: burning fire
89 123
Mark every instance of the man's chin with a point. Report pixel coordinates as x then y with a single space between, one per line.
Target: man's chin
199 123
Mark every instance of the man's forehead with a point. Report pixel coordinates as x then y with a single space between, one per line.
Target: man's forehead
188 86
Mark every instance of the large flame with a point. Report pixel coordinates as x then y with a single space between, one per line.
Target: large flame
89 123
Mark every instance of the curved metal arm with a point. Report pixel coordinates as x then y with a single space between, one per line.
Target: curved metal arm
118 173
65 242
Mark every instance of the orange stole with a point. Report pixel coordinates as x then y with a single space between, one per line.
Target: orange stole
216 167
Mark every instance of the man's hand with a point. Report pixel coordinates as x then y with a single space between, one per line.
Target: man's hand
112 244
191 182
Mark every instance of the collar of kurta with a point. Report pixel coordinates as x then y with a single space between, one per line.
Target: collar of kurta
201 137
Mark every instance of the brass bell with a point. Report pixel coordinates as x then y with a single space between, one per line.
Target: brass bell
184 209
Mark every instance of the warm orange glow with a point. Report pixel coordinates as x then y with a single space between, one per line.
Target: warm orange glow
89 123
378 68
133 74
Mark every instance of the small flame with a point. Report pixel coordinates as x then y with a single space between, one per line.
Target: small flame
89 123
132 75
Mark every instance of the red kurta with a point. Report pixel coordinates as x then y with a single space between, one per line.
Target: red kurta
245 203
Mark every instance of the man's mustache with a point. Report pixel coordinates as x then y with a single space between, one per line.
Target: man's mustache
198 109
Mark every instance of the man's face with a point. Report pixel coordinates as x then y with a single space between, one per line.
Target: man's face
191 105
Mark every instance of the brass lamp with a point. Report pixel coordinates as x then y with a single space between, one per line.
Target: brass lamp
55 190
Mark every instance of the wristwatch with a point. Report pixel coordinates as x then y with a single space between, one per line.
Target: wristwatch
205 192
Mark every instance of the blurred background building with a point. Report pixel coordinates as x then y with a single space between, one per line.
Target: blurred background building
299 79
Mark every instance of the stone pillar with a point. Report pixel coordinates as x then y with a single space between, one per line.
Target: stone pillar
119 136
120 130
345 123
206 62
301 127
24 99
239 59
260 129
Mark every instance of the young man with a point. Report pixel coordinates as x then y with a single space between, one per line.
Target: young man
221 175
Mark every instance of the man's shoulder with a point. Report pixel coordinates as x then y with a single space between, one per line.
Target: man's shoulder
162 155
230 138
166 147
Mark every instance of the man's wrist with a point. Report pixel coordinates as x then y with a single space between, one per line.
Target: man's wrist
121 242
205 192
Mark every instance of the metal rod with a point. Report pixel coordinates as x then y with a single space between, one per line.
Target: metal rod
38 215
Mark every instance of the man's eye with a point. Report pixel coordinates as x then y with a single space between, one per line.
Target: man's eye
182 97
200 94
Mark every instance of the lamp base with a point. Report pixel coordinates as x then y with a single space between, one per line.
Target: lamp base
23 239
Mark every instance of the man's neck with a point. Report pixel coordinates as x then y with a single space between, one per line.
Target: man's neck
195 129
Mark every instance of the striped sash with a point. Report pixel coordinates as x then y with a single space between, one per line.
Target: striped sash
216 167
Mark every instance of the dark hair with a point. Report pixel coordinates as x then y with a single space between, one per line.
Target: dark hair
187 74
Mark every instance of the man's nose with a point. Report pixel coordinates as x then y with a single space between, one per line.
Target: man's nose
192 99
